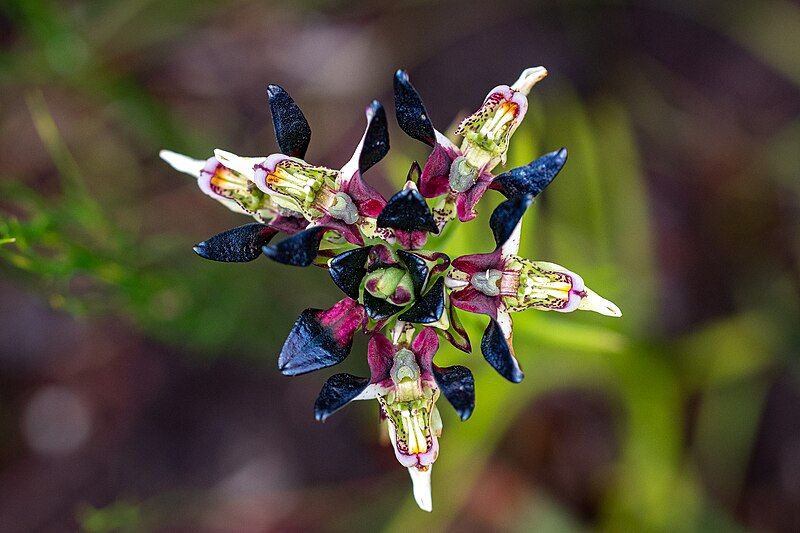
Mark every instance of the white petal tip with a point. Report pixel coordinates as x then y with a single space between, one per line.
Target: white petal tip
182 163
529 77
594 302
242 165
421 480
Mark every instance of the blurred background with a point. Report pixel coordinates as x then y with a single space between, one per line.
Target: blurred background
138 383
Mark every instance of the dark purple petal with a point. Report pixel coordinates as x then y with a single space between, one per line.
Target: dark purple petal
380 257
411 114
321 338
411 240
237 245
348 231
533 177
369 202
380 357
428 308
407 211
506 216
435 178
478 262
289 225
376 138
472 300
291 127
379 309
298 250
425 345
417 267
338 391
348 269
466 201
458 386
456 334
437 261
498 352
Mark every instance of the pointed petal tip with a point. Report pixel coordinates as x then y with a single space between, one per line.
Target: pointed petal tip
421 482
273 90
594 302
182 163
401 75
529 77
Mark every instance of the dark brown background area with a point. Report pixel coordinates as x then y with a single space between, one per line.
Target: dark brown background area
138 388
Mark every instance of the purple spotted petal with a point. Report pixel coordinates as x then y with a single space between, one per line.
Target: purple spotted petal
466 201
380 356
435 178
472 300
425 345
478 262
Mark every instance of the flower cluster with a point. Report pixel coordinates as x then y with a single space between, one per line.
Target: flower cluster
401 295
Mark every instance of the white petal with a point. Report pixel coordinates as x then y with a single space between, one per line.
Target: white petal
421 479
511 246
529 78
242 165
594 302
371 392
182 163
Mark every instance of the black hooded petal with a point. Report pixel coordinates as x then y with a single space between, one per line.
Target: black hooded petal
376 139
429 308
408 211
320 339
506 216
417 267
298 250
348 269
533 177
338 391
237 245
498 353
458 386
411 114
378 309
291 127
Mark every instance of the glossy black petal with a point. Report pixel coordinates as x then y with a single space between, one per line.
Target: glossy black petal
291 127
298 250
338 391
348 269
407 211
376 139
237 245
378 309
506 216
411 114
498 353
417 267
531 178
320 338
458 386
429 308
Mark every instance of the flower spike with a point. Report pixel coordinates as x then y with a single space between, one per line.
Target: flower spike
291 127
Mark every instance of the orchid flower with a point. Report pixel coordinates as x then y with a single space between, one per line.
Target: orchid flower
501 282
407 385
464 173
338 200
400 294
